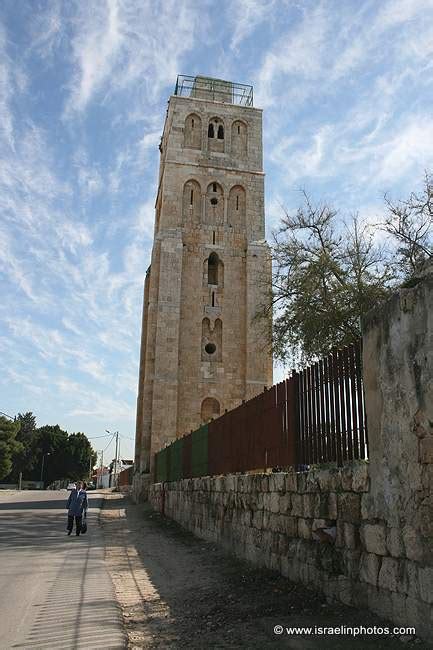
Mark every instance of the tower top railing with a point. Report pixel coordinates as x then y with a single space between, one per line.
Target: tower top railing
217 90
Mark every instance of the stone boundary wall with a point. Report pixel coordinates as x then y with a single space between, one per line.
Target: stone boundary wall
362 534
287 522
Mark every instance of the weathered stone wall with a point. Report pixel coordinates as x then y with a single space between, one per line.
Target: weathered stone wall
275 521
362 534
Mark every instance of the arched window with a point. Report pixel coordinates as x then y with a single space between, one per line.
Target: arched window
191 203
237 207
210 409
211 340
212 269
215 133
214 206
192 132
239 139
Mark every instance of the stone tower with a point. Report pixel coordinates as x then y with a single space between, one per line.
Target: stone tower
201 350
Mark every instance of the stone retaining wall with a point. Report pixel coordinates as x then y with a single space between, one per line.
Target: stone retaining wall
362 534
275 521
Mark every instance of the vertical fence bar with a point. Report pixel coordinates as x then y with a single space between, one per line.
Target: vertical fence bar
315 414
355 421
301 433
322 413
342 405
310 434
317 389
332 417
335 368
349 424
327 409
294 416
360 396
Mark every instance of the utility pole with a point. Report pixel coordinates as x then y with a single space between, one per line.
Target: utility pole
100 469
115 458
120 464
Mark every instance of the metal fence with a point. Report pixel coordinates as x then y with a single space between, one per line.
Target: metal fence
315 416
201 87
332 424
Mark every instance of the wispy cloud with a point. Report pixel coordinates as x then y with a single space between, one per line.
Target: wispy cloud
346 89
112 52
246 15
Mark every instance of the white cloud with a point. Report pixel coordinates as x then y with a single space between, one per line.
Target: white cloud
95 48
407 150
129 45
46 30
298 53
247 15
144 224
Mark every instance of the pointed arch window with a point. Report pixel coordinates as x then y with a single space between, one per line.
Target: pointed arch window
220 132
212 269
210 131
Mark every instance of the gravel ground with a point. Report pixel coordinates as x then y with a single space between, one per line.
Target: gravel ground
177 591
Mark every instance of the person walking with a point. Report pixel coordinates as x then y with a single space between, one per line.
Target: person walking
77 506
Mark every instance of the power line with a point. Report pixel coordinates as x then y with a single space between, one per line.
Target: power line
7 416
112 438
97 437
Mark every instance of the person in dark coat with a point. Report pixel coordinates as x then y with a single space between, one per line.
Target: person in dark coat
77 505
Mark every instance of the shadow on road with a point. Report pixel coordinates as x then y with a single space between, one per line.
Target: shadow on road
192 594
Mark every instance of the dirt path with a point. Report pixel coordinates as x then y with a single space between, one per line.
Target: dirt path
177 591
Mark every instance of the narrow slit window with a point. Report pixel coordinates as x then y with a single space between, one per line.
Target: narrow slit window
192 123
214 189
237 202
210 131
213 299
239 128
191 198
220 132
213 237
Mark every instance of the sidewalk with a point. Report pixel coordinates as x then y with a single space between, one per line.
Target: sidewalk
177 591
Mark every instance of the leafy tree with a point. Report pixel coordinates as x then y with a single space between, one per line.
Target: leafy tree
66 456
23 458
410 224
8 444
326 276
80 456
49 443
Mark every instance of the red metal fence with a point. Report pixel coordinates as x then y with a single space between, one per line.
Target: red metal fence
332 424
316 416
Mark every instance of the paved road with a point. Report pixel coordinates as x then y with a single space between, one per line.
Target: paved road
55 591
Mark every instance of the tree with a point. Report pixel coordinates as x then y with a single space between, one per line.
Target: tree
326 276
23 458
80 456
410 224
67 456
8 444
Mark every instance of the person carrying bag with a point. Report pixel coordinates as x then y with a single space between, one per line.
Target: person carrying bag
77 505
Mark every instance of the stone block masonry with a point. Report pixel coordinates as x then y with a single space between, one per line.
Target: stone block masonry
363 533
316 528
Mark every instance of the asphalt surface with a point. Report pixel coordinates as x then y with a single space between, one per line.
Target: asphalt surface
55 590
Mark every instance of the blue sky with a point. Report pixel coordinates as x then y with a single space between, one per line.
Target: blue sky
347 92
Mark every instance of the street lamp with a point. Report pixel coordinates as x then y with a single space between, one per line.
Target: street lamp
42 464
116 433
